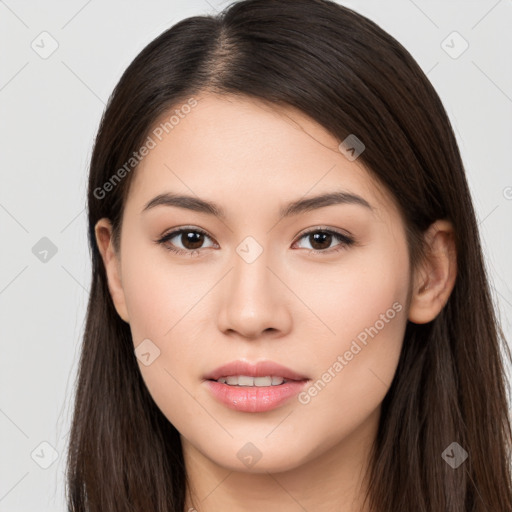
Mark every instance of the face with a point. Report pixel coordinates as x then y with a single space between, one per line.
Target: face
319 289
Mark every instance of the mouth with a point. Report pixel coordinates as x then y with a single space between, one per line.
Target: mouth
243 373
248 381
259 387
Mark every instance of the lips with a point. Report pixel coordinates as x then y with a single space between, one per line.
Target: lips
260 369
254 388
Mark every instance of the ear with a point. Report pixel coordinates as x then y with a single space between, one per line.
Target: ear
111 260
433 282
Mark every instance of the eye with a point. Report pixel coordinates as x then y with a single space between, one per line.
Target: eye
191 239
321 239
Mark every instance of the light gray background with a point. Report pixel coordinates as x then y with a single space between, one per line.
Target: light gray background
50 109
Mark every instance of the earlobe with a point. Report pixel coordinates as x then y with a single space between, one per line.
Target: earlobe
434 281
103 232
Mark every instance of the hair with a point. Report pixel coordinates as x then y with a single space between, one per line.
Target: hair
351 77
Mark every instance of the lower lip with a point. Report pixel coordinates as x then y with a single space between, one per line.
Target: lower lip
253 398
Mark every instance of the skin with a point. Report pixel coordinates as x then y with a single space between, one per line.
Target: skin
298 309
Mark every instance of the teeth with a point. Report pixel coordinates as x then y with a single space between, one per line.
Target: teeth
244 380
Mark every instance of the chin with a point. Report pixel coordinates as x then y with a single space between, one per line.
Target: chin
250 459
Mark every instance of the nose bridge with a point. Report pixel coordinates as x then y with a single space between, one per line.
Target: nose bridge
253 301
250 268
250 281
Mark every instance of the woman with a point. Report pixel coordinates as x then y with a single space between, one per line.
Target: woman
289 308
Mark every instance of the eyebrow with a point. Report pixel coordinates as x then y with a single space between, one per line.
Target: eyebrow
294 208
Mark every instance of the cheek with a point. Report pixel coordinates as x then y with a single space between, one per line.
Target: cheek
158 294
353 378
366 308
352 296
161 301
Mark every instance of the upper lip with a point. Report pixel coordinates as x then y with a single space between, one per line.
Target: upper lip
259 369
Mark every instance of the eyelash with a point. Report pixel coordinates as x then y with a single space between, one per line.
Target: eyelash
345 241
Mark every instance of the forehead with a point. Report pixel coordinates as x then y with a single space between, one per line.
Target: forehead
231 147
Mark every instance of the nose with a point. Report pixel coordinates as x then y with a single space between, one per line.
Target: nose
255 302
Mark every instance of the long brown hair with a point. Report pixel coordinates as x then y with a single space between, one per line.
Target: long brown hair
353 78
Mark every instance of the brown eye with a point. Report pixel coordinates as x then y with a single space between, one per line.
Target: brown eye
191 240
321 240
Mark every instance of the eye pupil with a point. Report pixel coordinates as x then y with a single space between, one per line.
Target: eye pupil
193 237
319 238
